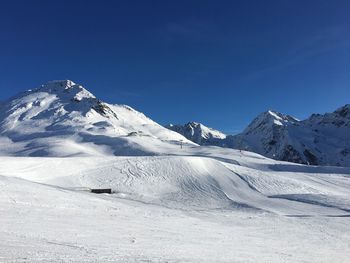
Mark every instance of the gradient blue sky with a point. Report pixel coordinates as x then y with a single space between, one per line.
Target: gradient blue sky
217 62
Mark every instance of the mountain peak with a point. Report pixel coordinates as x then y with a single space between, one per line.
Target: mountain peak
271 117
340 117
66 84
274 115
66 89
193 124
279 116
343 111
197 132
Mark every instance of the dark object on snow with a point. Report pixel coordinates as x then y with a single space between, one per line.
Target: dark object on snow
102 191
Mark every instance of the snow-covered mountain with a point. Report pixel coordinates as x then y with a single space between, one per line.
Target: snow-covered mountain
198 133
318 140
61 118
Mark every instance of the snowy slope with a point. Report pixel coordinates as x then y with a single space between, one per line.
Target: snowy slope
243 208
61 118
193 183
198 133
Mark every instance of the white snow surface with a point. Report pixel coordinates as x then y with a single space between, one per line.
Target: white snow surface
170 201
203 204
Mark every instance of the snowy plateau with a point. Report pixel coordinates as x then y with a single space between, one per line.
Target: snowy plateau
173 200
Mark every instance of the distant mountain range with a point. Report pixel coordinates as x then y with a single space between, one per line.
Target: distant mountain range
322 139
61 118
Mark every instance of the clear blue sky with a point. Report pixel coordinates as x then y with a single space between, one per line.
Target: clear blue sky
216 62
